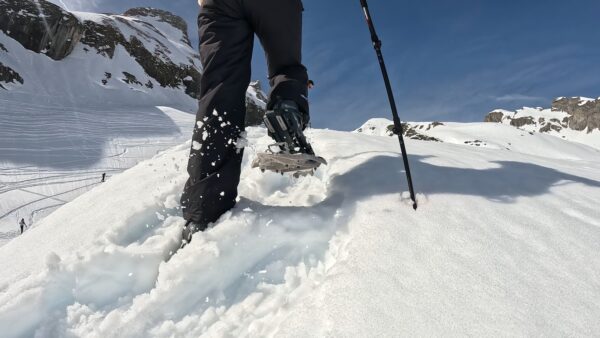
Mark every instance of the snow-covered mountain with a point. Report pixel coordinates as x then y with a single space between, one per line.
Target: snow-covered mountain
576 113
142 57
83 94
86 59
576 119
503 243
570 119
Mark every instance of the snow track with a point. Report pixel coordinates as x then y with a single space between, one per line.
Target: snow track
502 244
62 153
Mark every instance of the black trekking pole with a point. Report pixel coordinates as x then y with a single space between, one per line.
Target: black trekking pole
386 79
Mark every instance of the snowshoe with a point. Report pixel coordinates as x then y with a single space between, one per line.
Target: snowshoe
299 164
291 153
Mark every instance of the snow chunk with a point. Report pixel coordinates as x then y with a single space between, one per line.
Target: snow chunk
53 261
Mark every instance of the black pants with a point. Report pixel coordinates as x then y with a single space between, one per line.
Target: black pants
227 29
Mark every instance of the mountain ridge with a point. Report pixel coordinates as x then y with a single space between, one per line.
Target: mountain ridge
576 113
571 119
109 91
168 60
101 53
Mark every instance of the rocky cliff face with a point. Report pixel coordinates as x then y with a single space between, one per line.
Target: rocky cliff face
45 28
105 35
584 113
40 26
256 103
410 130
575 113
161 16
107 51
8 76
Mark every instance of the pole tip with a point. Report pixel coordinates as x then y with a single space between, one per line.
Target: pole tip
415 205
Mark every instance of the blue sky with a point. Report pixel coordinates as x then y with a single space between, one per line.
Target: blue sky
448 60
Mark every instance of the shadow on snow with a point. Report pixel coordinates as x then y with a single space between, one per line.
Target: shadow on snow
385 175
72 138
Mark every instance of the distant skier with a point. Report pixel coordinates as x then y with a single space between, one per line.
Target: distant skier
227 29
103 178
22 225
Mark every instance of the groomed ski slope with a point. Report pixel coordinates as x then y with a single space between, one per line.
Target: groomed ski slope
64 151
503 243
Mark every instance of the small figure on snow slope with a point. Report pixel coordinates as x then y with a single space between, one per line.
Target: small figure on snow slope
22 225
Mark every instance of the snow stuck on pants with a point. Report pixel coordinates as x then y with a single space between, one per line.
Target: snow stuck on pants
503 243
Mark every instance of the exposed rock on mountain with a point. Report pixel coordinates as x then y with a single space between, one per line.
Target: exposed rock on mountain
40 26
525 139
256 103
530 119
146 34
162 16
495 117
412 130
146 49
105 36
9 76
584 113
522 121
575 113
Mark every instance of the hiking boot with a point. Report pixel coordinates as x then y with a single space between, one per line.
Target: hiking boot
285 124
189 230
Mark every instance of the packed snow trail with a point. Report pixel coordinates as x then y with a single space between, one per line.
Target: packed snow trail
503 243
64 151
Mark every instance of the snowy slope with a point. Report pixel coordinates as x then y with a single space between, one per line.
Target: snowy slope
577 146
41 170
503 243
